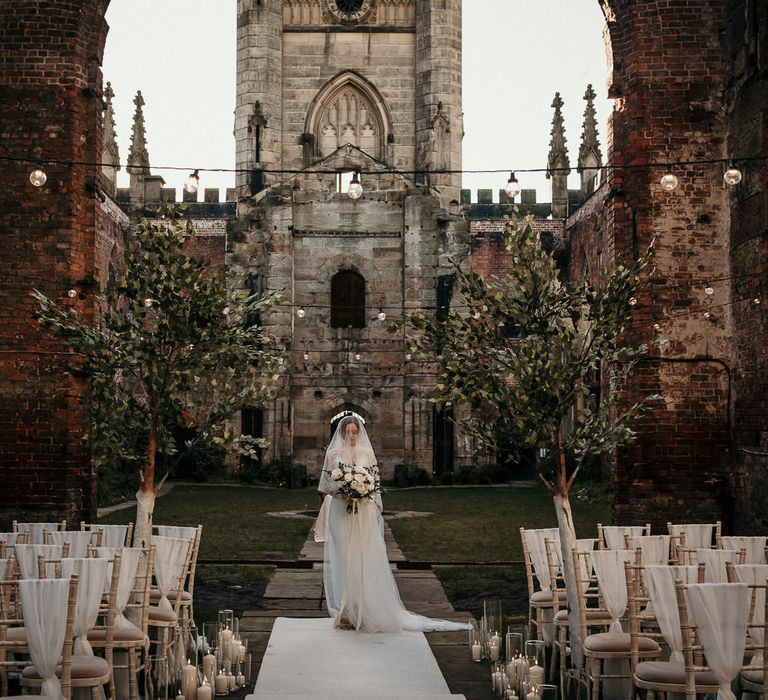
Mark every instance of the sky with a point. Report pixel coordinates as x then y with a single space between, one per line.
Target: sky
517 54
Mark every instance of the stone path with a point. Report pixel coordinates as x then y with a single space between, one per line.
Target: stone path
297 593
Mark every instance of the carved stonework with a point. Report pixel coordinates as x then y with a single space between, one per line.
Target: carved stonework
350 11
348 117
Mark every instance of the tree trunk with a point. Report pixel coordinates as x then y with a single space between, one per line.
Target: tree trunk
567 531
145 496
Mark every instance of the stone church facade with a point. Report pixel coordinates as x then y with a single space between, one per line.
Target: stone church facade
329 88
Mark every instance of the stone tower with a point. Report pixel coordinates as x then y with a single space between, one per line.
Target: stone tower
327 88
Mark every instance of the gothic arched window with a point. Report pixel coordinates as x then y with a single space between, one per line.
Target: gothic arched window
347 300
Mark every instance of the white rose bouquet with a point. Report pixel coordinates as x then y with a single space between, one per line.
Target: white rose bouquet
356 482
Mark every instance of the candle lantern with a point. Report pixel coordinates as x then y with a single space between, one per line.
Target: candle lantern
547 692
475 641
514 645
156 678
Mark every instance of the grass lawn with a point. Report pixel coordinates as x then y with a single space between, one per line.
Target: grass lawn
480 524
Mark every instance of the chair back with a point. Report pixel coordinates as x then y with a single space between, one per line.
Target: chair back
754 547
77 540
48 609
654 549
27 556
612 536
34 531
111 535
609 570
693 535
535 554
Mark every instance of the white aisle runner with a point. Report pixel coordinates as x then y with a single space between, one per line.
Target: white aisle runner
309 658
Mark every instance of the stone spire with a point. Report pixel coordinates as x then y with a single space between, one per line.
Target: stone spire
558 166
144 186
590 157
110 154
138 157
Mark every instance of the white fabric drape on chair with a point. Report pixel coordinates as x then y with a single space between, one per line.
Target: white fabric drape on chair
755 575
614 534
179 531
538 552
660 581
720 612
78 541
44 608
3 568
129 562
92 574
27 554
754 546
35 530
697 536
170 557
714 563
112 535
10 538
654 549
611 579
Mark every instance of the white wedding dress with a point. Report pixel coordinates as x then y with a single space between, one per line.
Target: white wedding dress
358 581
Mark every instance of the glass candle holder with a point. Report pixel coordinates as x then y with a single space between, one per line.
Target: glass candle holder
156 678
514 646
547 691
536 652
209 647
475 642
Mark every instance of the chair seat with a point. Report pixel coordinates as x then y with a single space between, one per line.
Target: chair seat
16 634
668 673
753 675
158 614
154 596
546 598
82 667
619 643
99 636
593 616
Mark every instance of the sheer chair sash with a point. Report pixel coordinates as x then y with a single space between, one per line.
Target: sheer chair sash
92 574
611 579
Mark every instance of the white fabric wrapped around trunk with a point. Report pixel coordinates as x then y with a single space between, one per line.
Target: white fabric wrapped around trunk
660 581
612 581
92 574
44 608
720 612
754 546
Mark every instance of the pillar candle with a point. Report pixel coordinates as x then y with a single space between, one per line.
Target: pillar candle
204 691
222 683
209 666
496 680
189 681
477 651
536 675
179 697
512 672
241 680
511 695
494 652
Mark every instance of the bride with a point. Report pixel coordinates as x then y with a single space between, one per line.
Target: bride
359 586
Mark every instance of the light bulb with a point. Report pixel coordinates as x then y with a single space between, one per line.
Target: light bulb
709 290
305 355
225 311
357 356
656 326
732 176
147 303
381 315
632 301
707 314
668 181
72 293
355 190
192 185
38 177
407 357
756 300
513 186
301 313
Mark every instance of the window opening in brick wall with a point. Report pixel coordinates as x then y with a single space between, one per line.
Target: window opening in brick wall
343 180
347 300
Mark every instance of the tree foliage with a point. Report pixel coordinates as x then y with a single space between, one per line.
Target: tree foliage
523 349
172 344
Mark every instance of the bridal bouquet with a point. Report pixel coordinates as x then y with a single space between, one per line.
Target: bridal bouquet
356 482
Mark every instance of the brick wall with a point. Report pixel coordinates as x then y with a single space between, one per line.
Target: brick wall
50 107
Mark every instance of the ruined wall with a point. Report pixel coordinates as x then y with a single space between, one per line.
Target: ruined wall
50 107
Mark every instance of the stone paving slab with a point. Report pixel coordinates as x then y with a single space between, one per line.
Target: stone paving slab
295 593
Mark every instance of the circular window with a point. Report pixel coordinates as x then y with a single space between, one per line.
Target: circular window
350 11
